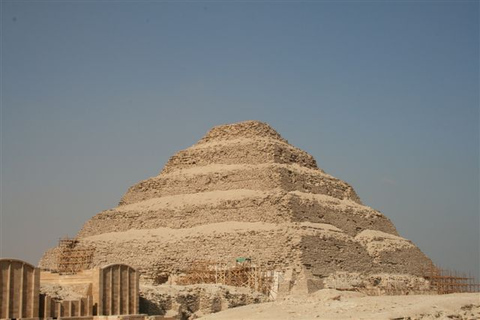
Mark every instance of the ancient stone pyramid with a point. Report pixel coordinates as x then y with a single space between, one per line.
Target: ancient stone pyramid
244 191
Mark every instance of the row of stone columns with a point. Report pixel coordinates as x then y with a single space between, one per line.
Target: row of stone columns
19 289
119 288
115 291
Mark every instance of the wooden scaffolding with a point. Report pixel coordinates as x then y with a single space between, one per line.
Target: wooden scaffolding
241 275
73 257
445 281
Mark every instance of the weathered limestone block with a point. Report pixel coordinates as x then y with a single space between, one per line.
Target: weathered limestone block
393 253
346 215
323 255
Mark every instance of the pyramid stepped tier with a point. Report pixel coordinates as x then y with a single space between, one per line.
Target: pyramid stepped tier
244 191
274 206
249 142
322 248
230 177
239 151
385 253
241 130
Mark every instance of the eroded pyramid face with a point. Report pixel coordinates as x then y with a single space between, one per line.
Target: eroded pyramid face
244 191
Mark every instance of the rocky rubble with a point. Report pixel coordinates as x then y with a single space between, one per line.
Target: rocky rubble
190 302
378 284
65 292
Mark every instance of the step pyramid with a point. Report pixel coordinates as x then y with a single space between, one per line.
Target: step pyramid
244 191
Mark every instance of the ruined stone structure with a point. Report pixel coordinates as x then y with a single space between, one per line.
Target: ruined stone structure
19 290
50 308
105 291
244 191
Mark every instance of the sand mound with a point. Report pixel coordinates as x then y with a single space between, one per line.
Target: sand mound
339 305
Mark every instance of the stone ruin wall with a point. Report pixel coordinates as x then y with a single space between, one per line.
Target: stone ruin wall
324 256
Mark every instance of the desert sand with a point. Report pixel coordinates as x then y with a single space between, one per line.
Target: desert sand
333 304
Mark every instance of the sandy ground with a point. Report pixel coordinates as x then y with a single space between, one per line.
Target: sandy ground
332 304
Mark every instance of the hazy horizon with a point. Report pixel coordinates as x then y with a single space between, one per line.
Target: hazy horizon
97 96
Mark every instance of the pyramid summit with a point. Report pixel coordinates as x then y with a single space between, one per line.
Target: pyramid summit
249 142
242 130
243 191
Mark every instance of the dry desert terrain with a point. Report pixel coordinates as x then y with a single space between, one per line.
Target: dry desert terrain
333 304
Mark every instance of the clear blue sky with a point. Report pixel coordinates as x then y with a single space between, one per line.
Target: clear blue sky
98 95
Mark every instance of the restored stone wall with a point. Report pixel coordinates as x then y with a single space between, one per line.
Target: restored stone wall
118 290
51 308
82 277
108 290
19 289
